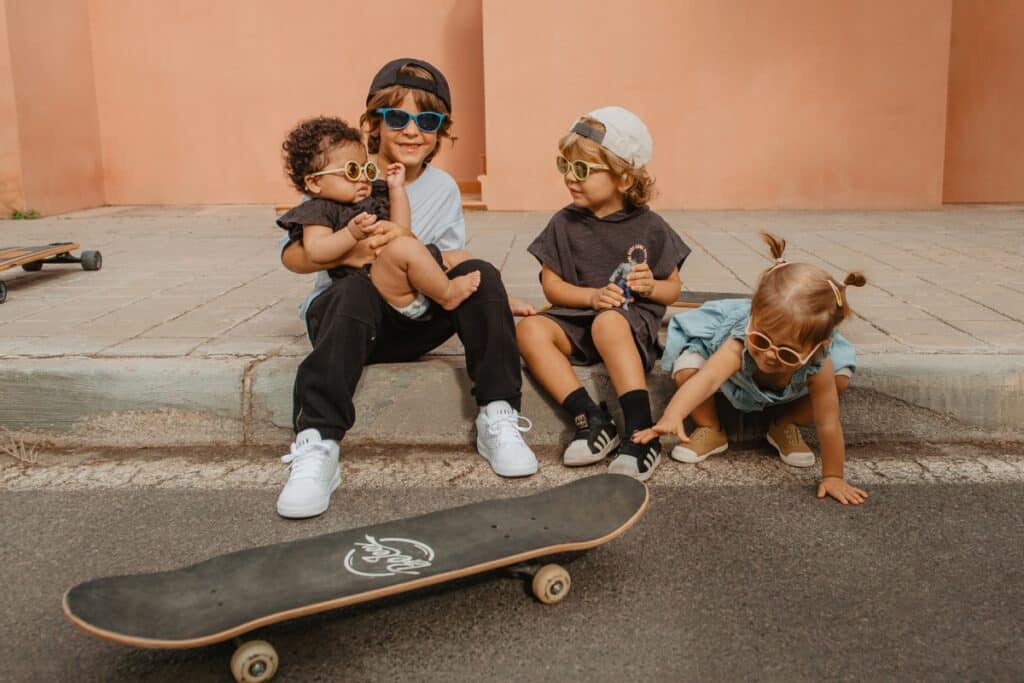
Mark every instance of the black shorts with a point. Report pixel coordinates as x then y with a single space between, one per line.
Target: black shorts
576 324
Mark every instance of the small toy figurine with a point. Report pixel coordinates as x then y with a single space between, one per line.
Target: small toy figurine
636 254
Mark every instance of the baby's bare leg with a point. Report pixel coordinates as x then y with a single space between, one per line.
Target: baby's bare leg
520 307
405 267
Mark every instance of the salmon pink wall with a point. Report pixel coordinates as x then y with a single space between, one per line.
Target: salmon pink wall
752 103
57 127
195 96
985 134
11 195
774 103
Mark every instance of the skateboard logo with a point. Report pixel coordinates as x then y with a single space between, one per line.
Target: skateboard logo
388 557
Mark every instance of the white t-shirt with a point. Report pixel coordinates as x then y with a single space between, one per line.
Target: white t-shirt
436 219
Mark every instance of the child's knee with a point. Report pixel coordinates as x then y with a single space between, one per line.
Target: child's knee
530 333
681 376
610 325
400 250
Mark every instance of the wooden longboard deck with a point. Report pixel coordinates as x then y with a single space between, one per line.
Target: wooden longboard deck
11 257
226 596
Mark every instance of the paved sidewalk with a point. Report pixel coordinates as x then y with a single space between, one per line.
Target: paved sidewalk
191 325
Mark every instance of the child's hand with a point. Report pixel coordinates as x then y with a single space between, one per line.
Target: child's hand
841 491
606 297
521 307
661 428
363 225
395 175
385 231
641 280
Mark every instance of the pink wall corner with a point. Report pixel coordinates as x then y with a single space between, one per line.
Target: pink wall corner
51 66
195 97
11 195
985 133
775 104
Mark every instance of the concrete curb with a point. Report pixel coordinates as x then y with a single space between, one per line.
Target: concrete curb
234 401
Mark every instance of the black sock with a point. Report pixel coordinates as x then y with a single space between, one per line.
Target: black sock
636 411
578 402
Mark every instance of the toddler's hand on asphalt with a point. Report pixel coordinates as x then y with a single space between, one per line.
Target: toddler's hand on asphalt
837 488
661 428
641 280
395 175
362 226
606 297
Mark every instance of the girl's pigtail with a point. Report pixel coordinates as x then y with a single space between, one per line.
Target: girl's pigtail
777 245
854 278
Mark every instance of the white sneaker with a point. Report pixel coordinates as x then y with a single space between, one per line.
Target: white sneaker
315 473
499 440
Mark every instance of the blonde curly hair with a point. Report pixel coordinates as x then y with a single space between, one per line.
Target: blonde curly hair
641 184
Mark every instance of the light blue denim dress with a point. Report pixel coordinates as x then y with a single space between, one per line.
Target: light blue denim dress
704 330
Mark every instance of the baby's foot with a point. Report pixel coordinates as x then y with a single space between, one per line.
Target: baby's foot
460 289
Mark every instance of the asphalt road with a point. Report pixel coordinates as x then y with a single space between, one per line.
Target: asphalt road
716 583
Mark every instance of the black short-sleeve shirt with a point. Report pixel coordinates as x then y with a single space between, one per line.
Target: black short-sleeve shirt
334 215
585 250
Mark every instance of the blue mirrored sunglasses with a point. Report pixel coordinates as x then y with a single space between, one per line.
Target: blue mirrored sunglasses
398 119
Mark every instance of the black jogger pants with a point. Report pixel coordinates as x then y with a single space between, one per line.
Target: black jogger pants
350 326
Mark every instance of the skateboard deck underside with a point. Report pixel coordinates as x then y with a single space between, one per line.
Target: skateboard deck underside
231 594
17 256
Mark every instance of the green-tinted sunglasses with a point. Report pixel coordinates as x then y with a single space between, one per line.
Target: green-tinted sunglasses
580 169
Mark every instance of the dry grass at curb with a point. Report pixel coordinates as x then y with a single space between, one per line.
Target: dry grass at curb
15 447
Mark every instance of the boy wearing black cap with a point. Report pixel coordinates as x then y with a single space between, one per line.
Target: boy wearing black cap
408 112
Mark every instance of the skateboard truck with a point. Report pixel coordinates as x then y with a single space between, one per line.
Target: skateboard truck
32 259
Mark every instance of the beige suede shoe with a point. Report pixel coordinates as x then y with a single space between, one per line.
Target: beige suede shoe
704 442
792 448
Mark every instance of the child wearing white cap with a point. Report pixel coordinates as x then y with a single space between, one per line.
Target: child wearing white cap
606 231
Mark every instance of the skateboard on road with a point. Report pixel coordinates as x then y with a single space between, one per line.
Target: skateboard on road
227 596
32 259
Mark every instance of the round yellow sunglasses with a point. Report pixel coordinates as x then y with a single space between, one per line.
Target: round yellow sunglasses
353 170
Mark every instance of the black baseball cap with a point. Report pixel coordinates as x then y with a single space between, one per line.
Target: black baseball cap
390 75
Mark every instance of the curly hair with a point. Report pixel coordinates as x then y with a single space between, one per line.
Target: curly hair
392 96
641 188
308 144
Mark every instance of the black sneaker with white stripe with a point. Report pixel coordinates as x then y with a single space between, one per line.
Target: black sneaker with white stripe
595 438
637 460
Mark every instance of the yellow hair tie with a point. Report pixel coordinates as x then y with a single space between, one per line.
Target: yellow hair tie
835 290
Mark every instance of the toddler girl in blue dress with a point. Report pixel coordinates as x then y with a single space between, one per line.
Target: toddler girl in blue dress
779 348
